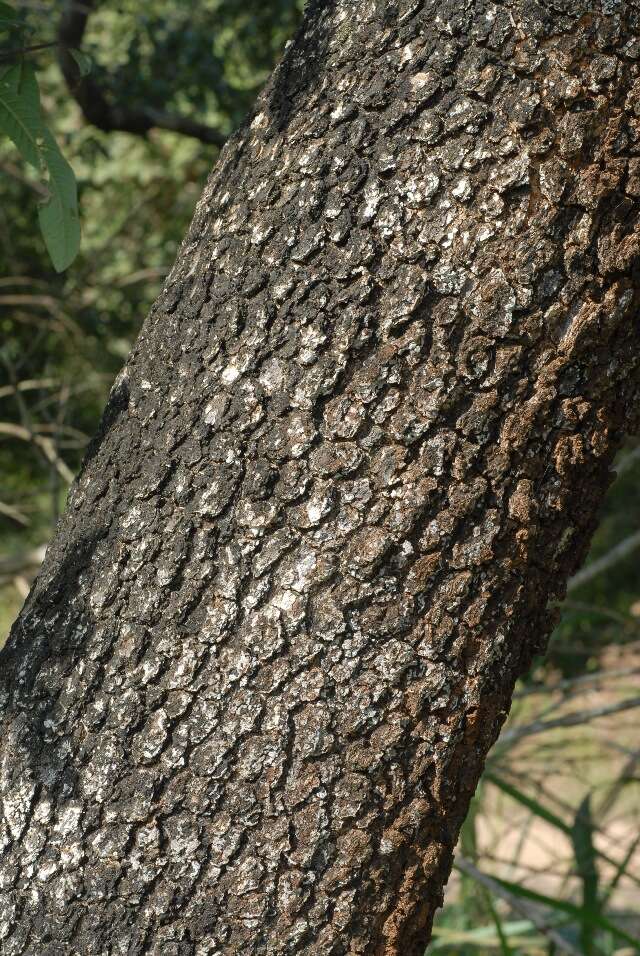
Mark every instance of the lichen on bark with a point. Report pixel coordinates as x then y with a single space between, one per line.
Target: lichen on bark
358 448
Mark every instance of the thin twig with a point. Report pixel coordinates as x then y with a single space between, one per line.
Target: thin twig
530 912
14 171
618 553
10 512
92 101
22 586
569 720
27 385
629 460
45 445
625 775
617 616
598 677
19 563
21 51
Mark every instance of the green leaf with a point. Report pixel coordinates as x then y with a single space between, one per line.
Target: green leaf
534 805
59 220
8 17
545 814
21 120
20 115
562 906
83 61
585 856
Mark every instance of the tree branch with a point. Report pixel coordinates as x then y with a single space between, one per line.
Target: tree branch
94 105
21 51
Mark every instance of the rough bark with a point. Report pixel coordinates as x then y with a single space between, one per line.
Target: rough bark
359 446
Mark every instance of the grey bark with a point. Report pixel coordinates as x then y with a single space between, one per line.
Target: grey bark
357 450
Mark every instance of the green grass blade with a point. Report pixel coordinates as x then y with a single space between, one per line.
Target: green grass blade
562 906
534 805
505 949
585 857
545 814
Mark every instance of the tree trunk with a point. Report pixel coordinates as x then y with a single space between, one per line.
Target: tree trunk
358 448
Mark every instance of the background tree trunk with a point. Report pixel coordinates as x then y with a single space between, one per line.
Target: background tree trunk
359 446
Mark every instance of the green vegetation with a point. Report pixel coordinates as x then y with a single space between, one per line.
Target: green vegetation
549 860
21 119
63 336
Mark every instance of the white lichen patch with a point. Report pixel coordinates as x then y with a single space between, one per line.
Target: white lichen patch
230 374
272 376
339 112
260 121
260 233
372 199
68 818
421 80
431 183
408 53
301 575
184 835
150 741
300 433
462 189
215 409
16 806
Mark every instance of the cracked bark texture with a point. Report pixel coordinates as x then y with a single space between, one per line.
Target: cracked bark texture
358 448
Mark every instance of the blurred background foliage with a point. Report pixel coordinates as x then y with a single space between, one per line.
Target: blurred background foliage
549 859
